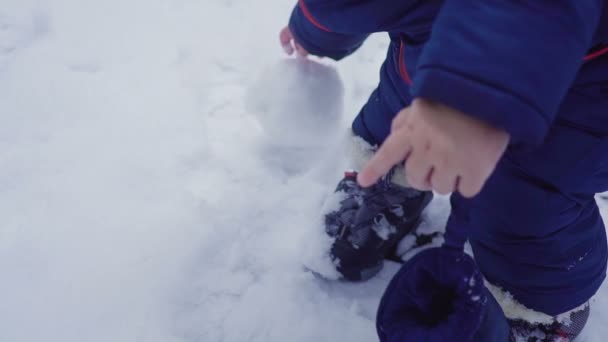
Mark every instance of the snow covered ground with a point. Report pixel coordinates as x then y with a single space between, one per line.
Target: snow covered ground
162 170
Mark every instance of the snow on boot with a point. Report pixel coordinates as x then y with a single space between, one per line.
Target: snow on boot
370 222
529 325
560 330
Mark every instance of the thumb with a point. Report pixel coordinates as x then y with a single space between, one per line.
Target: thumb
285 38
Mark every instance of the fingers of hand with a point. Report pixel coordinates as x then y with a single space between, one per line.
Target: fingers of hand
470 185
400 119
419 169
444 180
392 152
286 39
300 50
475 172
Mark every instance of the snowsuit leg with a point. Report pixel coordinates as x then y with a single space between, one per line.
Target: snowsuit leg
535 229
373 123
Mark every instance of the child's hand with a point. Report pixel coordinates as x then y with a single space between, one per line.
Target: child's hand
289 43
445 150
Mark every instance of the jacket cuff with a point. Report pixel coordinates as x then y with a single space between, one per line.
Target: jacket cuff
525 123
319 41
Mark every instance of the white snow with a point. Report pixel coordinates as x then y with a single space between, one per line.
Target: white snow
515 310
162 171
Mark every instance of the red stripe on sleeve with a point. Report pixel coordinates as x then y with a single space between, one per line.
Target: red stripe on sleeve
310 18
596 54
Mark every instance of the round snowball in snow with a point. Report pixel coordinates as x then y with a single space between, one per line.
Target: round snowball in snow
298 102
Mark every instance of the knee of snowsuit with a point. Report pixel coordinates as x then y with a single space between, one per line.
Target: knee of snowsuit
535 228
392 94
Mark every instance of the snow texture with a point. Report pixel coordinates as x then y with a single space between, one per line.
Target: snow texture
515 310
162 174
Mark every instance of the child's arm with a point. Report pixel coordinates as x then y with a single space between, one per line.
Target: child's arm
311 36
337 28
496 71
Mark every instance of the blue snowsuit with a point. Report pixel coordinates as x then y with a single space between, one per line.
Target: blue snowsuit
536 69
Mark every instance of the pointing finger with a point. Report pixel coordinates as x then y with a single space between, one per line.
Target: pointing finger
392 152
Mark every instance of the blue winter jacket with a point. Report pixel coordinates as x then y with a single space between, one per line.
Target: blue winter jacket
517 59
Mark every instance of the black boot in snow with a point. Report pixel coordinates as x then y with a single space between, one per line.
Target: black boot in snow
370 222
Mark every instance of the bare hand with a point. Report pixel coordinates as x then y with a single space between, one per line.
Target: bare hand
289 43
444 149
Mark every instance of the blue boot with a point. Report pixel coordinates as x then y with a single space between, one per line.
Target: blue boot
437 296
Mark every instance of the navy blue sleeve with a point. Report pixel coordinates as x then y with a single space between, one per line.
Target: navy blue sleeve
508 63
318 39
336 28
